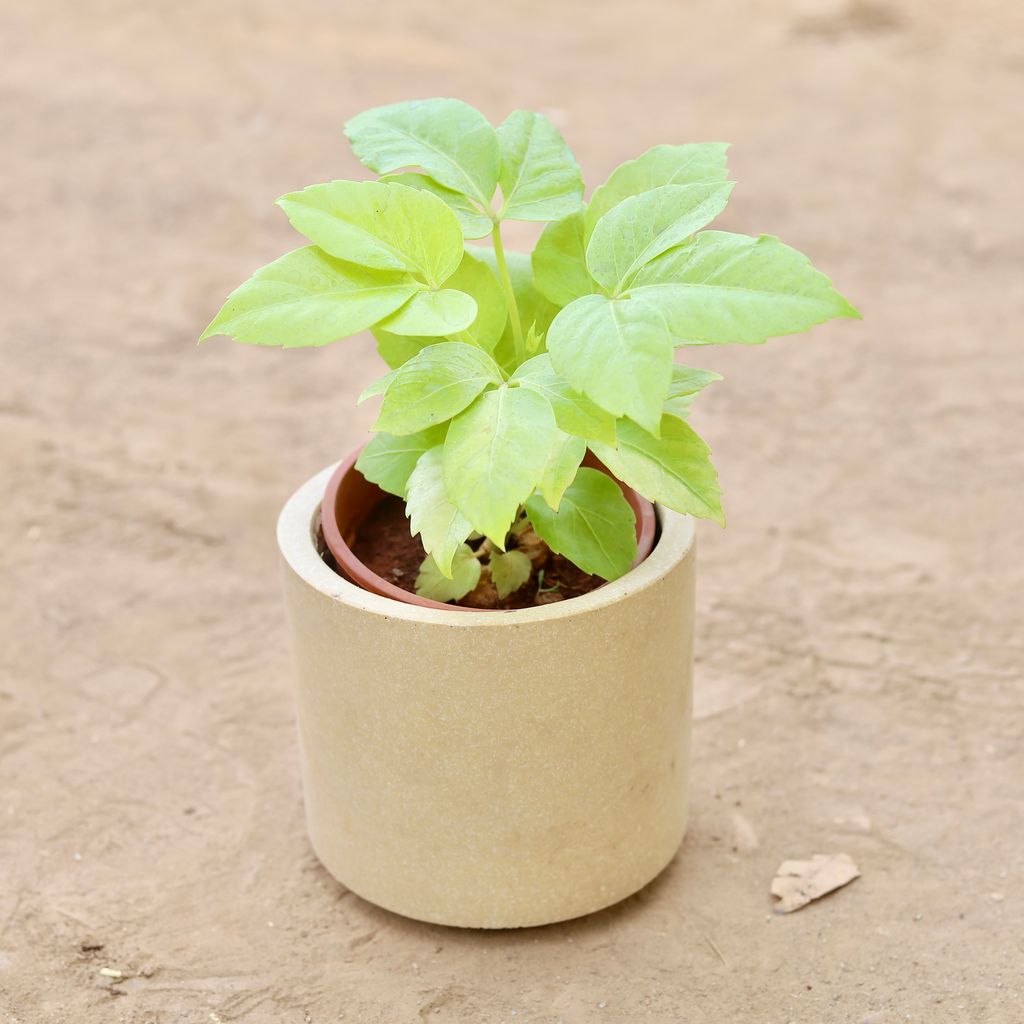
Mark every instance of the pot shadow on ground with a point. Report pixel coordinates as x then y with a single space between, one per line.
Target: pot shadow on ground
377 919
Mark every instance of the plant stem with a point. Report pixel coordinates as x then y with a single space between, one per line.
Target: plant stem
510 295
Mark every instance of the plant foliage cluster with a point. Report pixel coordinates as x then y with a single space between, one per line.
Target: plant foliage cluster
505 367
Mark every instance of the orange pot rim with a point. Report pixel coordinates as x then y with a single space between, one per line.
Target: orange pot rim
351 567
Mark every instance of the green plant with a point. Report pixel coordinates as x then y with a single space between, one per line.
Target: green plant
506 368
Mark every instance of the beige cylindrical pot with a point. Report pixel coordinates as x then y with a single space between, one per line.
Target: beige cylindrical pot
493 769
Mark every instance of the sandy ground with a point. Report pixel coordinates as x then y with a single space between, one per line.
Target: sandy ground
859 640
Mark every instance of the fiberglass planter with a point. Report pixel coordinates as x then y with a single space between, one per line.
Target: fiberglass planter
492 769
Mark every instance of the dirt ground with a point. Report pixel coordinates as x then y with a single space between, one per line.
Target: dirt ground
859 636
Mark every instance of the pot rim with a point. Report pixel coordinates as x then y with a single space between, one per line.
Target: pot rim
296 538
362 575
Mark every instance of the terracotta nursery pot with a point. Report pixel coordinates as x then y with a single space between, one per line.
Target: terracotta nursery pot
492 769
349 498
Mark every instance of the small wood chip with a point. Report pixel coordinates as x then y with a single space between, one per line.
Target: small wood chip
798 882
714 948
110 972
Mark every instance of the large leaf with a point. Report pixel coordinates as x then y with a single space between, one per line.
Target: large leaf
434 385
723 288
643 227
433 314
388 460
378 224
495 455
465 574
441 526
594 527
674 469
475 223
309 298
540 179
618 352
454 143
509 571
560 471
574 412
559 262
663 165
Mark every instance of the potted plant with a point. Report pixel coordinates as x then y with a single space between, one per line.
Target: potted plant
492 625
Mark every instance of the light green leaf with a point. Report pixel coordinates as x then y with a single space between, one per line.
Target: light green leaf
381 225
674 469
533 306
594 527
378 387
435 385
534 338
309 298
686 383
451 141
475 224
387 460
431 583
559 262
396 349
618 352
723 288
495 455
433 314
509 571
680 406
540 179
441 526
688 380
574 412
662 165
476 278
534 309
560 471
643 227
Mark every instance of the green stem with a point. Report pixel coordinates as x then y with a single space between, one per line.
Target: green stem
510 295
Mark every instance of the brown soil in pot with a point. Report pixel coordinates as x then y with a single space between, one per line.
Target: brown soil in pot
384 545
350 500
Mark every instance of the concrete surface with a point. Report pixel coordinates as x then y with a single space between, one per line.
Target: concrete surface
859 633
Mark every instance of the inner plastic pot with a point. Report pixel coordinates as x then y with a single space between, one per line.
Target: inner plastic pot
350 498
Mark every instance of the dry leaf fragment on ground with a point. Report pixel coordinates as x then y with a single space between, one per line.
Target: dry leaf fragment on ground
798 882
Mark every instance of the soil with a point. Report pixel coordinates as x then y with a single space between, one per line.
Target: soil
859 653
383 543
